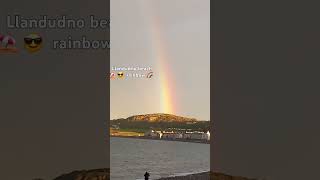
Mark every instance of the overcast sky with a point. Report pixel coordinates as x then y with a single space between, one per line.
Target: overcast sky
184 28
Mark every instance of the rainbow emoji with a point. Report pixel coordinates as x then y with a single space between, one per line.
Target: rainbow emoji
7 44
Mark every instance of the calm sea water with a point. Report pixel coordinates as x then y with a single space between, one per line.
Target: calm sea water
131 158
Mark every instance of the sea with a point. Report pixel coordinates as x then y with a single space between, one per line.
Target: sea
131 158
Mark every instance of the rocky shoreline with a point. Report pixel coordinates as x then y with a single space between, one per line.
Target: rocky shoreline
207 176
199 176
104 174
95 174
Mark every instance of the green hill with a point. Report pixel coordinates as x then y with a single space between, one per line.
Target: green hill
159 121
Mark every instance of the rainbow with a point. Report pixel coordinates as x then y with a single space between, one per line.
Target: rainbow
168 102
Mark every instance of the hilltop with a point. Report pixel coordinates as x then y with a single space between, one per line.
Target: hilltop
160 117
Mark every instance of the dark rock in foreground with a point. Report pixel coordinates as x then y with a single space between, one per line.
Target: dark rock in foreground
104 174
96 174
220 176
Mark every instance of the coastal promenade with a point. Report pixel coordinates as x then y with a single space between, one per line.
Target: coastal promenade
158 139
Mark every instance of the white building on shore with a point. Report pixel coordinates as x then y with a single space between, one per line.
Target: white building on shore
153 134
191 135
172 135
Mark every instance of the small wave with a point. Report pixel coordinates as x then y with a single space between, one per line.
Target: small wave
186 174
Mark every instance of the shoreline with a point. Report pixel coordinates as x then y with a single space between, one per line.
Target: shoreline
195 176
148 138
206 176
104 174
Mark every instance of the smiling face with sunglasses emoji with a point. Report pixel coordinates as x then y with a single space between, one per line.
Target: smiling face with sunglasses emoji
33 43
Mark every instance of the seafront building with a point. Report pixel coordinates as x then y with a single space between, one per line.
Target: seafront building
187 135
153 134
